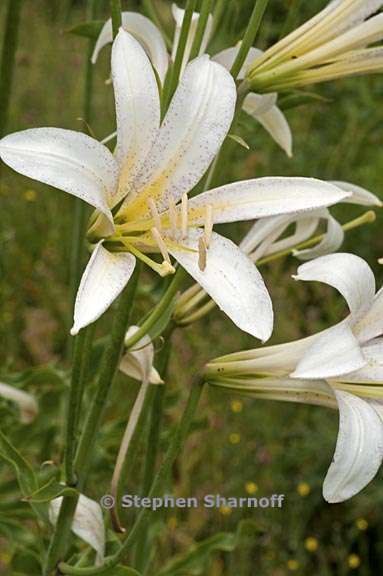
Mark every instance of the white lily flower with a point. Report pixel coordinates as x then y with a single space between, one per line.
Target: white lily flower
263 239
331 45
138 362
87 524
262 108
340 367
146 184
26 403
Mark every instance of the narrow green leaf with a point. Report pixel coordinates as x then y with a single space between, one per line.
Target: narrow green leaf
300 98
23 470
50 491
239 141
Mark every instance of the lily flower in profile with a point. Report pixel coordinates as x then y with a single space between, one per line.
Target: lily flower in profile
339 367
263 108
141 192
331 45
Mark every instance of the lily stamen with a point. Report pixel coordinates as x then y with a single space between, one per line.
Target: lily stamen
202 251
208 225
161 245
184 216
155 214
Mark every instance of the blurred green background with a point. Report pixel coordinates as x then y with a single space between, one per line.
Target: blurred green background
239 446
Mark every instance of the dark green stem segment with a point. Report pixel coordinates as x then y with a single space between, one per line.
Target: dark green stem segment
176 444
141 553
108 370
115 9
8 54
59 541
201 28
249 37
175 72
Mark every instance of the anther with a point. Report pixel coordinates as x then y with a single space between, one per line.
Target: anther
208 225
161 245
173 215
202 252
184 216
154 212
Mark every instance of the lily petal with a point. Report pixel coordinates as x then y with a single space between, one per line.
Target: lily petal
333 352
68 160
348 273
191 134
137 106
105 276
138 362
232 280
371 324
373 371
261 197
145 32
88 523
331 242
359 196
359 449
26 403
178 15
272 120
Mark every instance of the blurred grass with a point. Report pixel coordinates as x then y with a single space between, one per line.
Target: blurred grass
280 446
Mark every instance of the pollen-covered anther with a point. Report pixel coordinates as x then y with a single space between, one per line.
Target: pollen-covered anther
184 216
155 214
161 245
208 225
173 216
202 252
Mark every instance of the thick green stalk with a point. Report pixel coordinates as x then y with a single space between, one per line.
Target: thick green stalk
115 9
8 54
108 370
159 310
200 32
141 552
59 541
175 447
218 11
173 76
249 37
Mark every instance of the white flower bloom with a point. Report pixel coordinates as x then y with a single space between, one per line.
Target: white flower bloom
263 239
138 362
331 45
262 108
146 183
88 523
342 366
26 403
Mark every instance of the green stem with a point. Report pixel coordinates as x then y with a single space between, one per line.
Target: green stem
201 27
173 76
219 9
176 444
107 374
159 310
74 397
8 54
141 552
249 37
115 9
59 541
